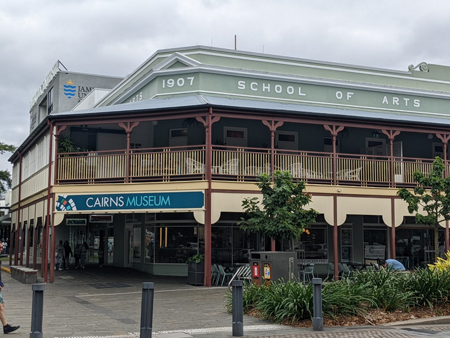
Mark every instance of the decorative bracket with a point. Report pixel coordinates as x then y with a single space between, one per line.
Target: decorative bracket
423 67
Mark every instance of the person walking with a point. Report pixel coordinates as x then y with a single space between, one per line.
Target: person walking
59 255
7 328
67 254
84 251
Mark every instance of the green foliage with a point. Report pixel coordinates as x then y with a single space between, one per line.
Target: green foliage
6 148
385 289
441 264
430 287
197 258
281 214
5 176
66 145
345 297
432 193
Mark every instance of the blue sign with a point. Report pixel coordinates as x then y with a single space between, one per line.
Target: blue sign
168 200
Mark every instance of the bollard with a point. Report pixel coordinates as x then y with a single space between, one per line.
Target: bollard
238 311
37 310
317 299
148 291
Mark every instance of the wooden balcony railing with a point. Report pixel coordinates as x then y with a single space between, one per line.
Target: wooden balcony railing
232 163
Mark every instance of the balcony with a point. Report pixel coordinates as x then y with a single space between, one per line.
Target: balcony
235 164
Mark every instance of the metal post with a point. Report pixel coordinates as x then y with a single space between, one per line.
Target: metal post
37 310
148 291
238 311
317 299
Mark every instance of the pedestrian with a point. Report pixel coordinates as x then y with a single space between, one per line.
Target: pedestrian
67 254
84 251
392 264
59 250
7 328
77 254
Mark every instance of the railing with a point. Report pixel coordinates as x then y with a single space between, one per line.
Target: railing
92 166
239 164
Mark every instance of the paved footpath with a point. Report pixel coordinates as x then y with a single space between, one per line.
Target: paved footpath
106 303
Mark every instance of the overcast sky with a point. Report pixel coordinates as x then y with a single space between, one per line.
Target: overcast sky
113 37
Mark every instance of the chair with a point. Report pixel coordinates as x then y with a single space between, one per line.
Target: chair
230 167
349 175
346 272
194 167
297 171
309 273
223 274
330 270
215 274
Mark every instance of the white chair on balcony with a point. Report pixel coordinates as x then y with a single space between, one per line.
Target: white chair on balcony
349 174
194 167
298 171
230 167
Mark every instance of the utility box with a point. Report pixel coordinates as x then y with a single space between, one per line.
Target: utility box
268 266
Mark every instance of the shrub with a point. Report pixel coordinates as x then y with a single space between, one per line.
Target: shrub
441 263
345 297
430 287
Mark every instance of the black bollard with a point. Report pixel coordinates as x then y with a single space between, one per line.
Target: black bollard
238 311
148 291
37 310
317 299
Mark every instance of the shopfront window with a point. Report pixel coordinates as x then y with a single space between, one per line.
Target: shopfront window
230 245
414 247
313 245
375 243
174 243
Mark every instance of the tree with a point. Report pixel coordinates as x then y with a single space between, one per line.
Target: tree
5 176
281 214
432 195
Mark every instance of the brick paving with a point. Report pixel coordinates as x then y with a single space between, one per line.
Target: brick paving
107 303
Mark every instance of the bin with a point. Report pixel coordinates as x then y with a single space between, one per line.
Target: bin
268 266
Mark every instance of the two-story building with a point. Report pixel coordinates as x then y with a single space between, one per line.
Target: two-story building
158 168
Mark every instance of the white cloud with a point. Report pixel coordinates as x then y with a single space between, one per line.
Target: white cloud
113 37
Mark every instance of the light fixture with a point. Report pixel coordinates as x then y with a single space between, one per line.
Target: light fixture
430 136
375 134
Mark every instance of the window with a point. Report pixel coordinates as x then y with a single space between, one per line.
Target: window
178 137
236 137
50 101
312 247
438 150
346 245
287 140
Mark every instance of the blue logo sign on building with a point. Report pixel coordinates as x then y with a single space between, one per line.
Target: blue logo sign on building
69 89
168 200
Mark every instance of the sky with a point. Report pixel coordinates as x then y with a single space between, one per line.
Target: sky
113 37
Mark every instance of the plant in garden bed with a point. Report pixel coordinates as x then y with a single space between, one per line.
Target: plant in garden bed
430 287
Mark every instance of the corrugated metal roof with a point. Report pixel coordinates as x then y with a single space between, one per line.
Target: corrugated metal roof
194 101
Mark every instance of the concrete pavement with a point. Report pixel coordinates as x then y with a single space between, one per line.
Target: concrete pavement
106 302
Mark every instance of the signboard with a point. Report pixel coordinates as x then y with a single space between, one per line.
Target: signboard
374 252
139 201
101 218
76 221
